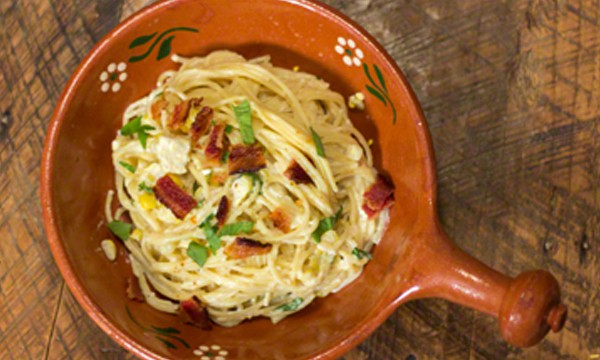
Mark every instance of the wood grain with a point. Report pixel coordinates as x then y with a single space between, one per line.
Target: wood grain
511 90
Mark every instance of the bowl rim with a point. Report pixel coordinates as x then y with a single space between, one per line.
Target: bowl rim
361 330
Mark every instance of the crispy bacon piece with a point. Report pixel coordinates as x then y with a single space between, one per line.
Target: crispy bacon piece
217 143
192 311
134 291
173 197
222 210
201 123
157 107
246 159
218 178
280 220
297 174
181 112
378 197
242 248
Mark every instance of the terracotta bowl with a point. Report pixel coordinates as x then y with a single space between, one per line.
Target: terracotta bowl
414 260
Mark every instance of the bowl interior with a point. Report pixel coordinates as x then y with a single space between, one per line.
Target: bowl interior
78 170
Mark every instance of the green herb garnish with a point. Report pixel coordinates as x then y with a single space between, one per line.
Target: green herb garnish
210 232
237 228
135 127
143 187
200 203
361 254
198 253
243 114
195 187
225 156
256 179
318 142
120 229
291 306
207 220
228 129
127 166
325 225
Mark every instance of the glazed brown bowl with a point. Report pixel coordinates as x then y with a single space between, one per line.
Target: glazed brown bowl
415 259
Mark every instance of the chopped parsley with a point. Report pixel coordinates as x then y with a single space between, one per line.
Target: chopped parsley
198 253
210 232
361 254
292 305
200 203
120 229
318 143
228 129
243 114
195 187
256 179
325 225
135 127
143 187
225 156
127 166
237 228
207 220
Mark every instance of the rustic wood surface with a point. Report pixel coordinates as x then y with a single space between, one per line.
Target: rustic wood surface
511 90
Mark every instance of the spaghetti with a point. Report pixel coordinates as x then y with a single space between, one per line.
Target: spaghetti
287 166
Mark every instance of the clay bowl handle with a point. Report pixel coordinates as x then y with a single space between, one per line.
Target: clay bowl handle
527 306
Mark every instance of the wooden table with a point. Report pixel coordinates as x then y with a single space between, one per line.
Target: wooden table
511 90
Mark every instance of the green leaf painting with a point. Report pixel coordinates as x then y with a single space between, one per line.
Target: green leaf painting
165 42
165 48
379 89
141 40
160 333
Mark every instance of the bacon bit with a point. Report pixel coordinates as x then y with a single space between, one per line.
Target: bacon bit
201 123
280 220
179 115
134 291
378 197
222 211
218 178
173 197
297 174
157 107
217 143
192 311
181 112
242 248
246 159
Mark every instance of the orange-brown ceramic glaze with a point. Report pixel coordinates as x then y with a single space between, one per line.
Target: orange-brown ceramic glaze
415 259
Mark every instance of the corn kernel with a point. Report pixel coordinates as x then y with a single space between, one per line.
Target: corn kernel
296 68
137 234
148 201
176 180
357 101
187 125
370 142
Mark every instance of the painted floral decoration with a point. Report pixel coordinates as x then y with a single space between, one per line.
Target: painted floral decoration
351 55
213 352
113 76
